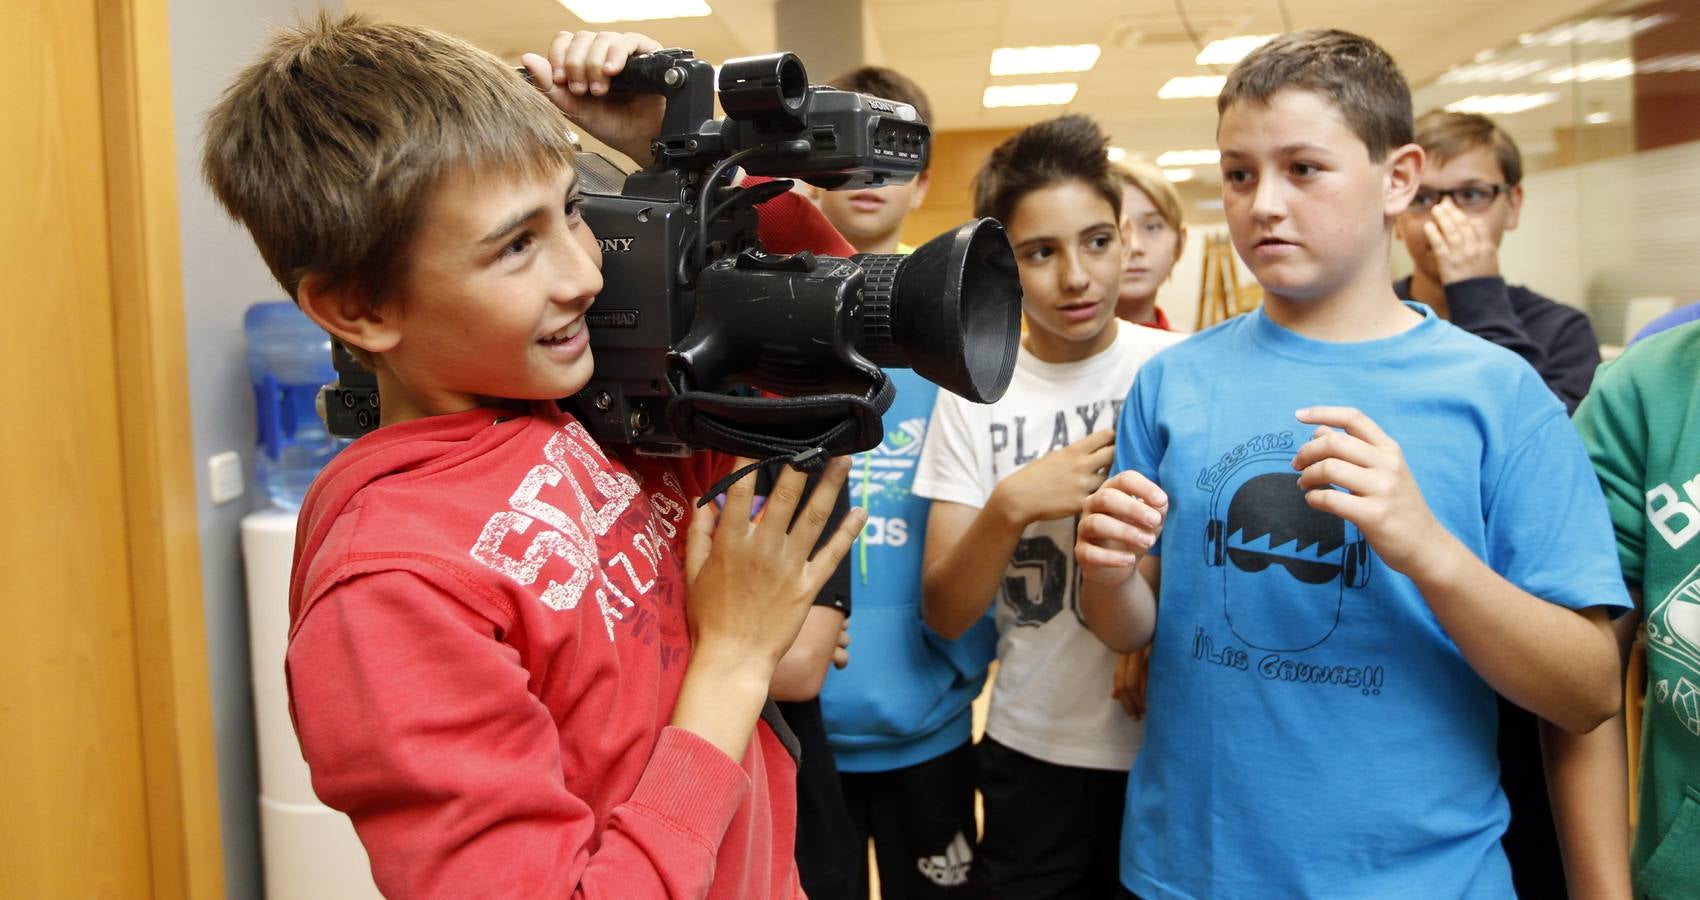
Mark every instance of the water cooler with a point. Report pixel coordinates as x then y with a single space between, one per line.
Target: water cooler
309 851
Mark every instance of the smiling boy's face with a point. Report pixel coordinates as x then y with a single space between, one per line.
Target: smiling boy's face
500 275
1308 210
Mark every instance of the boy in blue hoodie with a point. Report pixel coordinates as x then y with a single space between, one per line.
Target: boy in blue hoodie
898 716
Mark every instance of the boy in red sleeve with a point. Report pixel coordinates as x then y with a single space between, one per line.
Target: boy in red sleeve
513 662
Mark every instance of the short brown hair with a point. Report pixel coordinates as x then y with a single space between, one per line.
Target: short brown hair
1348 70
328 147
1150 181
1067 148
888 84
1446 135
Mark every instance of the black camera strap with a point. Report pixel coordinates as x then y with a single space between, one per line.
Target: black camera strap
804 431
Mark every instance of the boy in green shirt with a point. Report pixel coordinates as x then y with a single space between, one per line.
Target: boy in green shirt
1641 425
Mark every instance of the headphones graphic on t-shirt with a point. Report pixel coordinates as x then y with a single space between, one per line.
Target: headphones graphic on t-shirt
1354 566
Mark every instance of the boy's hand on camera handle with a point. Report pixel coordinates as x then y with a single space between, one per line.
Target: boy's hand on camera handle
1055 485
1119 523
575 74
1462 249
1380 495
752 583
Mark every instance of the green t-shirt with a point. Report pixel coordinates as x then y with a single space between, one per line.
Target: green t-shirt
1641 425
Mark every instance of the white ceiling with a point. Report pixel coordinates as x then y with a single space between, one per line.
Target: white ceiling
946 45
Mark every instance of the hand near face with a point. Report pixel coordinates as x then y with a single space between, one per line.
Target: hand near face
574 75
1380 495
1463 249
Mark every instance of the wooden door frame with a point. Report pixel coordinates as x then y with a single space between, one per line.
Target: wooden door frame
160 506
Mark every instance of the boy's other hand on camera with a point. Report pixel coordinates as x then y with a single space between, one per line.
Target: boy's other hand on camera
1119 523
752 583
574 74
1462 248
1055 485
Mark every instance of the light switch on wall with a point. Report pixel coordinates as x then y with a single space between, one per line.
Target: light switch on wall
224 476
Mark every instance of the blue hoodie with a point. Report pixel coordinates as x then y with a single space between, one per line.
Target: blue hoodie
904 698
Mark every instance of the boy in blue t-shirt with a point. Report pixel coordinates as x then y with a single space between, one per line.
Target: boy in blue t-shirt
898 717
1370 521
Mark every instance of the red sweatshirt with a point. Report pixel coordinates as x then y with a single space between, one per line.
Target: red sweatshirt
488 641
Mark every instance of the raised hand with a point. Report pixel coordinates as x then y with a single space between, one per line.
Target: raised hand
1462 248
1380 495
574 74
1119 523
1056 485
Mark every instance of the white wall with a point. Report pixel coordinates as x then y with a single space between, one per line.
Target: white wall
222 275
1598 235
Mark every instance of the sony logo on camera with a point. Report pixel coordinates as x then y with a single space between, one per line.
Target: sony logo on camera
615 245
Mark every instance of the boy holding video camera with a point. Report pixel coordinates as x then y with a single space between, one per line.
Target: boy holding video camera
513 662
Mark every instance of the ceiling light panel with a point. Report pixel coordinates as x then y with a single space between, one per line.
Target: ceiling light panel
1607 30
1190 87
1483 73
1001 95
1502 104
1230 50
1179 175
1593 70
1044 60
600 11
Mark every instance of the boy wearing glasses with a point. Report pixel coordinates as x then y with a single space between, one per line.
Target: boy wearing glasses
1470 196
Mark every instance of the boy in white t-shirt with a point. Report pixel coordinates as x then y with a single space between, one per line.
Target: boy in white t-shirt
1007 483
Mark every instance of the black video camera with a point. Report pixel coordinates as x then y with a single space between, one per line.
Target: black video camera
693 309
703 340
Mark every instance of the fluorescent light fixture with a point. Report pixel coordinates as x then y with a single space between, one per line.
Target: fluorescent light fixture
1593 70
1230 50
1189 87
1185 158
1028 95
1670 62
1179 175
1042 60
1502 104
1607 30
599 11
1597 118
1116 154
1481 73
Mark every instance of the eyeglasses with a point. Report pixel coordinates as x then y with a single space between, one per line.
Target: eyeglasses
1470 197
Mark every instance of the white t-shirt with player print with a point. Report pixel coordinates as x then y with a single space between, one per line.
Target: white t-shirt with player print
1051 699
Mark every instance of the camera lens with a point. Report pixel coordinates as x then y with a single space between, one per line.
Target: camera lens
951 310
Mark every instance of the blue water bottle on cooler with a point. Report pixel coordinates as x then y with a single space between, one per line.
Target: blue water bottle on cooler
289 359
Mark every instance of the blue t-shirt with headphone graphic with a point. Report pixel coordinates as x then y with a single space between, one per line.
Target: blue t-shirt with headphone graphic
1312 730
1259 521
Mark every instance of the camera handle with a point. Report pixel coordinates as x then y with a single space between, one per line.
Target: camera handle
782 428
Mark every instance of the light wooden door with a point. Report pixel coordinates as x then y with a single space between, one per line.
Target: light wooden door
106 768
